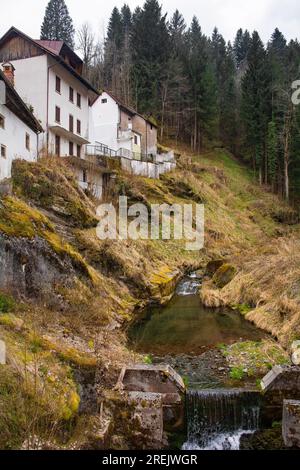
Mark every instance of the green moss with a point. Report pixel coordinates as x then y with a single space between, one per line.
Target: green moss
224 275
51 184
236 373
7 303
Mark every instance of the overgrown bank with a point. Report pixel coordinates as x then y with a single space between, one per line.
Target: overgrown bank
65 295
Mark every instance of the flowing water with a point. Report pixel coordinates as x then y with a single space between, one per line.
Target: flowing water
185 334
216 419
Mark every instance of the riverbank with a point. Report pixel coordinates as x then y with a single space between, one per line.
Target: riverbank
66 298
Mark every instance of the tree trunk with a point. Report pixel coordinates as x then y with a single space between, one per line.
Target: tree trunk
286 154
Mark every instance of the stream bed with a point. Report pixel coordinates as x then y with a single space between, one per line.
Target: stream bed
187 335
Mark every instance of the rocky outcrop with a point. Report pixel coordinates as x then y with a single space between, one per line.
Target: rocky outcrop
163 284
224 275
295 353
28 267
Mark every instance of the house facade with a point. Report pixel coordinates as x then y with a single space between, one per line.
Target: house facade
19 129
121 128
48 76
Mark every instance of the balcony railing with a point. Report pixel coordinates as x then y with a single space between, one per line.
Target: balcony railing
101 150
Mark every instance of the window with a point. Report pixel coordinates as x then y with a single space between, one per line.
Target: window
135 139
57 145
2 122
27 141
78 126
71 94
84 176
104 100
57 114
57 84
71 123
79 100
71 148
3 151
78 151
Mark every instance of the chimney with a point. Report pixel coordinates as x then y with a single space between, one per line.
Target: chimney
9 72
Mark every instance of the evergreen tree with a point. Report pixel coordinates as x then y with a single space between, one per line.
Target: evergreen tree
150 51
241 46
272 153
115 28
58 24
256 103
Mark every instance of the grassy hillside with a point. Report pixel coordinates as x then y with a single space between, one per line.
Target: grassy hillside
68 295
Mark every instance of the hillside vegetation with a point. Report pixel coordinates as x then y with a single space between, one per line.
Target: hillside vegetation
66 296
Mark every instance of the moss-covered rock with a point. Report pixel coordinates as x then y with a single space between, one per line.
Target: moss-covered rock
224 275
213 266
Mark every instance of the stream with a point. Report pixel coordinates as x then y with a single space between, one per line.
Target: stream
187 335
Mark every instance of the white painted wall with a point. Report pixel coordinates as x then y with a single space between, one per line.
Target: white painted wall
104 124
31 78
31 84
13 137
147 169
66 106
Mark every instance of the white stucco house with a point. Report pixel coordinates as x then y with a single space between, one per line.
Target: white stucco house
121 128
48 77
19 129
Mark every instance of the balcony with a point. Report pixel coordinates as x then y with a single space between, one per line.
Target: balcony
68 135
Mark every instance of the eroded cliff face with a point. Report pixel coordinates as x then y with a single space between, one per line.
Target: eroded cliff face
31 269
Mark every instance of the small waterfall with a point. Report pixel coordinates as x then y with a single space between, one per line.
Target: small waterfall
216 419
189 285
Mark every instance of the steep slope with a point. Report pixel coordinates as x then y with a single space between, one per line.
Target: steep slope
66 296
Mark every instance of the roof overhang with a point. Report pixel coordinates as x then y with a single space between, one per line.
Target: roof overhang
62 132
92 92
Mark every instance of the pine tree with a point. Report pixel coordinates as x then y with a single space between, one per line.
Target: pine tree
115 28
272 153
256 103
241 46
150 51
58 24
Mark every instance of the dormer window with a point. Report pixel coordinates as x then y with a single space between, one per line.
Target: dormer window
57 84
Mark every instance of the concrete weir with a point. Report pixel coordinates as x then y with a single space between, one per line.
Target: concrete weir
156 393
281 400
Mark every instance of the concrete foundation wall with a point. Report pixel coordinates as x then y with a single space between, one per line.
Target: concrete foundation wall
147 169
